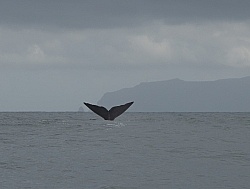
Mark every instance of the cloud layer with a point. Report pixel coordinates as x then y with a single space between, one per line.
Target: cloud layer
111 13
157 45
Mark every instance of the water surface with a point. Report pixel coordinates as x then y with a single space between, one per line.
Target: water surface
137 150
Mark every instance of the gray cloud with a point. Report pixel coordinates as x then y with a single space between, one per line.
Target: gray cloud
112 13
156 45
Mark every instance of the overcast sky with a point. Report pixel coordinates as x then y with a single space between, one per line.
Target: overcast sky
55 54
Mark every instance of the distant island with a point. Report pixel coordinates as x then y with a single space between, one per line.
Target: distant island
224 95
80 109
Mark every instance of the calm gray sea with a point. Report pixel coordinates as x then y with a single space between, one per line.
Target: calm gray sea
137 150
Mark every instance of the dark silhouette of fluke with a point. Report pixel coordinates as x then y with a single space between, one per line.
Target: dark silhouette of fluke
109 114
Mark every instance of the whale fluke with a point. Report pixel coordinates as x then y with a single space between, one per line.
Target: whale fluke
109 114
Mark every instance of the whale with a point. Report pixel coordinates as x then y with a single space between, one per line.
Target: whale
111 114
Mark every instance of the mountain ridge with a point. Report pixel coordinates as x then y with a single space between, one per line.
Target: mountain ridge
175 95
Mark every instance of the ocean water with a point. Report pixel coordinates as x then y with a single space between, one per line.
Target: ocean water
137 150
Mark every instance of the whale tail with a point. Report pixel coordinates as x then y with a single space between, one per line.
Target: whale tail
109 114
